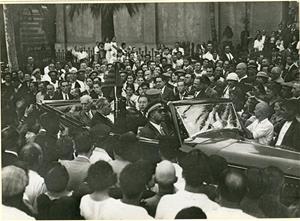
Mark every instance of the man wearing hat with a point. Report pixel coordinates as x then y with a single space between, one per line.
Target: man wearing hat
155 126
233 91
76 83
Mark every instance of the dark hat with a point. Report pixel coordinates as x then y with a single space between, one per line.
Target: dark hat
153 106
153 94
262 74
53 71
180 71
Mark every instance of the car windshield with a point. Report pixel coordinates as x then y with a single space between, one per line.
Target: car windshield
201 118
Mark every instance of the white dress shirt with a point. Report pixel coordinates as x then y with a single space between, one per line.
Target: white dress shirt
282 132
119 210
174 51
169 205
35 187
262 131
208 56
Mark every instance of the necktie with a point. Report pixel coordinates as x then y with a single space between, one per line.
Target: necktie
161 130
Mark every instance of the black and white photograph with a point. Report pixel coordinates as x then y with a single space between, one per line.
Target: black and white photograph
150 110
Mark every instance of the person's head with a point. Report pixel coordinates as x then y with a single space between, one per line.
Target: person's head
275 73
296 90
241 69
103 106
191 213
32 155
83 143
209 47
132 182
86 103
189 79
65 147
50 89
227 49
130 79
101 176
148 75
217 165
152 65
232 187
140 80
142 102
50 122
289 60
126 147
273 90
57 178
290 109
64 87
9 139
181 86
262 111
160 82
129 90
14 182
286 90
255 183
75 92
143 88
165 174
97 88
195 169
53 75
154 112
271 207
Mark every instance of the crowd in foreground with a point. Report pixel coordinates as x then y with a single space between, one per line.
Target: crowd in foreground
50 171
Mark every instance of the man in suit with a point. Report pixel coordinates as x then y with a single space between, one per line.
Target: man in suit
288 136
78 168
86 114
50 92
244 81
100 117
227 56
203 89
234 92
96 92
166 92
64 94
155 126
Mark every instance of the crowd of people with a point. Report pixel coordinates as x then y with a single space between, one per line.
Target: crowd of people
50 171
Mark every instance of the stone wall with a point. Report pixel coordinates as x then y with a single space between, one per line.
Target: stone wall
170 22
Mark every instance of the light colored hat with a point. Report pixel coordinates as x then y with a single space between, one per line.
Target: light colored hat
14 181
232 77
262 74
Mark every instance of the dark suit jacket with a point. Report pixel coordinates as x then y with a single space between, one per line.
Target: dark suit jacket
168 94
100 119
208 93
47 97
225 58
59 96
149 131
93 94
292 136
83 117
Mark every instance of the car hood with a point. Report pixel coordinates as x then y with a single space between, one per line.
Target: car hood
248 154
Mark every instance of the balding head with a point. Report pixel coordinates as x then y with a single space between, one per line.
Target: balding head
86 102
165 173
232 186
275 73
32 155
262 111
241 69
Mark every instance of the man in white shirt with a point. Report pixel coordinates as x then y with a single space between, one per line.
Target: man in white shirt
132 184
32 154
177 49
194 172
81 54
208 55
261 129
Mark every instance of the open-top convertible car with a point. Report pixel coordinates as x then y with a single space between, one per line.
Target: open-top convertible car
213 127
